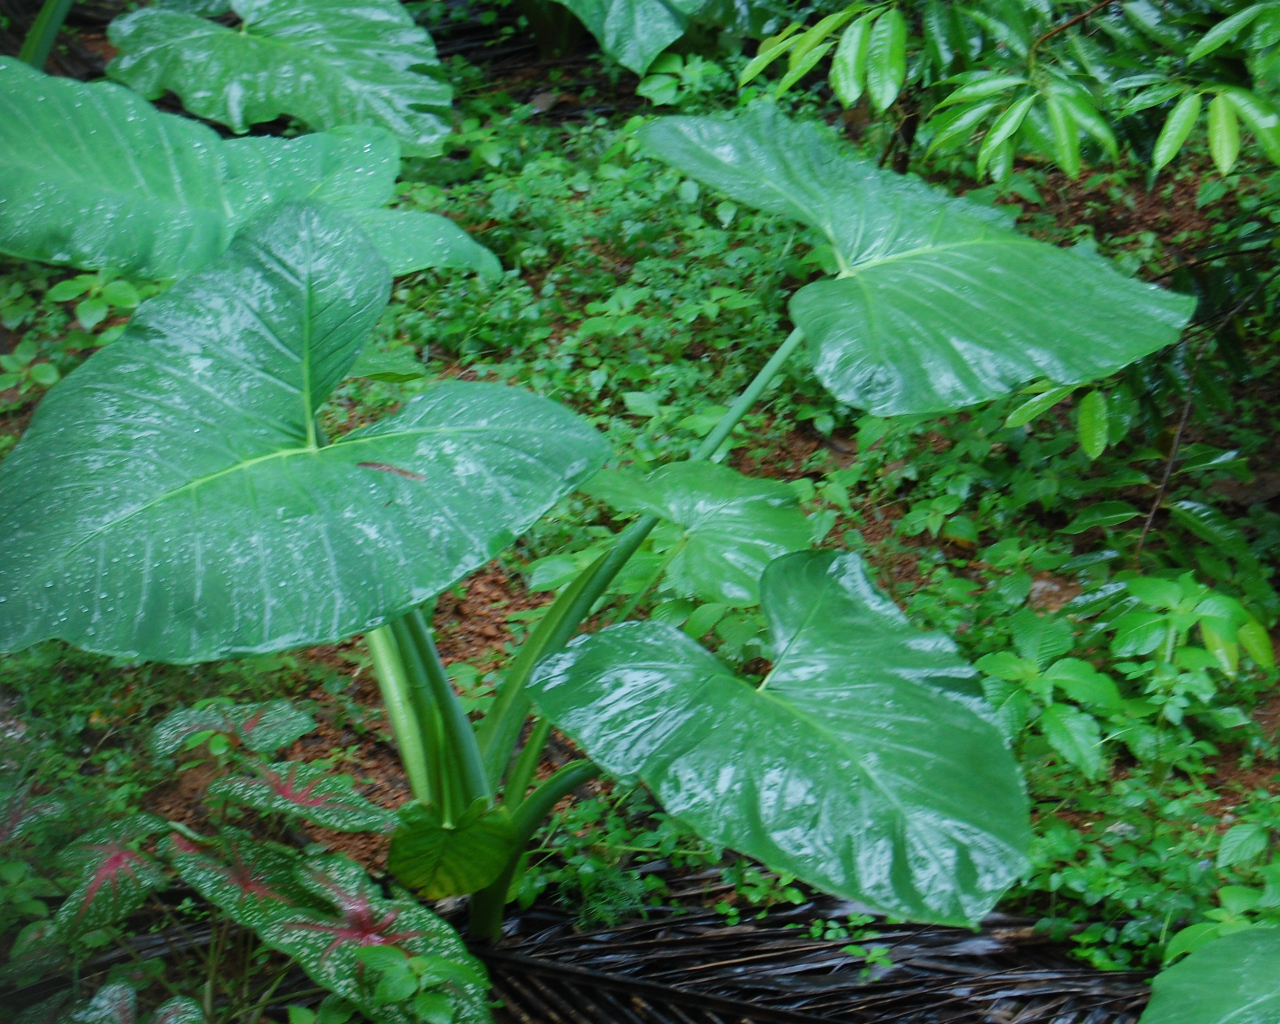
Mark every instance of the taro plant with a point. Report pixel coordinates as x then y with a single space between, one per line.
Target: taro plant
326 62
95 177
176 499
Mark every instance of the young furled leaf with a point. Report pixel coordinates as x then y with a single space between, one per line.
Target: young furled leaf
326 944
116 877
866 758
178 497
938 303
307 791
326 62
262 727
731 526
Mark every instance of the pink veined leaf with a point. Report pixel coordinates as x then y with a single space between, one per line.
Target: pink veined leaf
251 881
307 791
19 813
261 727
178 1010
325 944
116 876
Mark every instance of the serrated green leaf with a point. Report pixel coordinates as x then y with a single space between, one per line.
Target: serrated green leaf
1177 127
1224 133
1224 31
1035 407
1075 735
127 495
438 860
892 760
1092 424
940 305
325 62
849 65
1102 513
1242 843
886 59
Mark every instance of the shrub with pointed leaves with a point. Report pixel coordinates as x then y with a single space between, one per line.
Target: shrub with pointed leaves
307 791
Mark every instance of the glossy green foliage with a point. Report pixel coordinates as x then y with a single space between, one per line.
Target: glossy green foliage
866 763
94 176
729 526
634 32
938 304
174 500
325 62
1231 980
462 857
308 791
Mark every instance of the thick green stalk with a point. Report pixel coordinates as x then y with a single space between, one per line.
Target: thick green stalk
44 30
446 793
457 728
397 696
526 764
512 706
488 903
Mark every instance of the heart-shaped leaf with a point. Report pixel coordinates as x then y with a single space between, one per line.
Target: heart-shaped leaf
1234 979
173 498
261 727
325 944
94 176
732 525
866 764
251 881
308 791
938 303
438 860
325 62
634 32
116 877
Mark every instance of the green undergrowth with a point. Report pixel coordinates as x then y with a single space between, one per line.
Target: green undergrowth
638 298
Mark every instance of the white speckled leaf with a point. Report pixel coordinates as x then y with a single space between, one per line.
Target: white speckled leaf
172 501
939 304
866 764
325 62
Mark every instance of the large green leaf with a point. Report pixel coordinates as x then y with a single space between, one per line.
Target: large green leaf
173 500
94 176
731 526
866 764
439 860
325 62
938 303
634 32
1231 980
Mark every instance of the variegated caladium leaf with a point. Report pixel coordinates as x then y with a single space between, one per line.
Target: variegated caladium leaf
20 812
307 791
116 1003
178 1010
326 944
116 876
249 880
262 727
